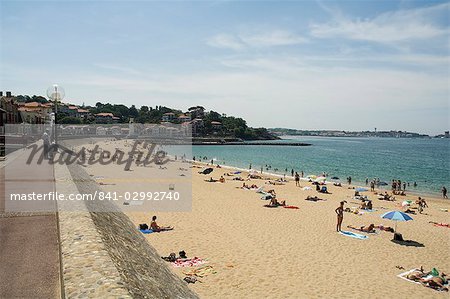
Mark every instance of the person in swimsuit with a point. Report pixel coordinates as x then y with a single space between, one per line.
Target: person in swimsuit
156 228
366 229
435 282
297 179
340 216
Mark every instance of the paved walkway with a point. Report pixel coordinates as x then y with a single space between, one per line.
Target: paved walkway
29 249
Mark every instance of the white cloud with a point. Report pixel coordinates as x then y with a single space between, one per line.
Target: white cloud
388 27
225 41
273 38
118 68
256 40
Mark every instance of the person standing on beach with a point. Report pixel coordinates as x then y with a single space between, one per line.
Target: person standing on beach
444 192
46 141
340 216
297 180
372 186
292 172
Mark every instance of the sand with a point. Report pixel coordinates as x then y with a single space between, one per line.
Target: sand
285 253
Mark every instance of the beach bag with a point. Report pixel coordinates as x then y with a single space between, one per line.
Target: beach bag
143 226
398 237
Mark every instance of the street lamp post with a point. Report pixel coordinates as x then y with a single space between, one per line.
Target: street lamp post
55 93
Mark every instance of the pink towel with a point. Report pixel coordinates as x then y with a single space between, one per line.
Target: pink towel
188 262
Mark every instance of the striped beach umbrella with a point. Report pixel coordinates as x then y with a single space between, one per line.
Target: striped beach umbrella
396 216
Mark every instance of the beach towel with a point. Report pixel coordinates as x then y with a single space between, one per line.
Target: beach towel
291 207
188 262
442 224
353 235
307 188
146 231
260 190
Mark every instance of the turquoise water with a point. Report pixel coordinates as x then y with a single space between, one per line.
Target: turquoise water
425 161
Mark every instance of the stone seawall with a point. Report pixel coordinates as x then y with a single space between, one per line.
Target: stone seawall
103 254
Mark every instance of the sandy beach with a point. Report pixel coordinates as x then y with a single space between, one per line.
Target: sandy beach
291 253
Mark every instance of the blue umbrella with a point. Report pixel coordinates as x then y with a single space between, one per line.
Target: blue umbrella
361 189
396 216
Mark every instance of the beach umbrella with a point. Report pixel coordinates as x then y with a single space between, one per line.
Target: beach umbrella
396 216
312 177
207 171
321 178
361 189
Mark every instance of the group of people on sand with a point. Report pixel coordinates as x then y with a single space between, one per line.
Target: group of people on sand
432 279
386 196
366 204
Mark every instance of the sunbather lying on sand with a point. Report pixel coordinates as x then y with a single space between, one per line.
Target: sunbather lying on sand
274 203
156 228
385 228
386 196
211 180
313 198
274 183
416 275
435 282
366 229
366 205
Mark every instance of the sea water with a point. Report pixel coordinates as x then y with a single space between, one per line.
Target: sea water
424 161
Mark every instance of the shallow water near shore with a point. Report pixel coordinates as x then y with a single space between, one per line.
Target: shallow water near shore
424 161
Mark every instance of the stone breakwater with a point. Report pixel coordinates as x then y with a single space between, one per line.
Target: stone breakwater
103 254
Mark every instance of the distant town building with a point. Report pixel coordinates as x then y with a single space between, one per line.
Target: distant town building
216 125
10 114
82 113
446 134
106 118
35 112
184 118
168 117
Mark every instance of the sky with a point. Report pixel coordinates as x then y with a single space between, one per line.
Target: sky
345 65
